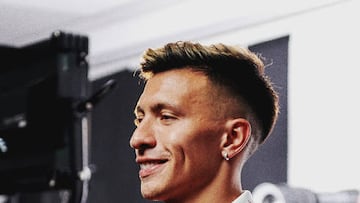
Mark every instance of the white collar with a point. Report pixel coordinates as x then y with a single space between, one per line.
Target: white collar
245 197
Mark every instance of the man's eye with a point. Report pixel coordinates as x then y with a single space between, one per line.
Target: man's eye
137 121
167 117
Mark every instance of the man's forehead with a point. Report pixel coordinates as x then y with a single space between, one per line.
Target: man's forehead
179 81
173 88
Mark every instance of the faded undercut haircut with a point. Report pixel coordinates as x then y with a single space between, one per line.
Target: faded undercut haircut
237 69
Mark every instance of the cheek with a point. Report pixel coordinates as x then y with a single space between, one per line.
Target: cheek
202 158
191 140
196 143
204 146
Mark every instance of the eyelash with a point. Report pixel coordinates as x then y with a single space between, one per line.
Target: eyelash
137 121
166 117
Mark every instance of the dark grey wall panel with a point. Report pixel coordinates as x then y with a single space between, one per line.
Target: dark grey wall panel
116 177
269 163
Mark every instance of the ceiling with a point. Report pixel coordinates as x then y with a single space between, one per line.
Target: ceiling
121 29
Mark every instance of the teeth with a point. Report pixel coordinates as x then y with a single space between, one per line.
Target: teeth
148 165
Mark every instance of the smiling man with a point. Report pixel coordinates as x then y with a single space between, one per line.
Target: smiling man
203 112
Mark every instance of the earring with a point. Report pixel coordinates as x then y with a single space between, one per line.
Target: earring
226 156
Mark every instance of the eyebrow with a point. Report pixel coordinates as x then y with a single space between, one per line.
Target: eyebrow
138 110
156 108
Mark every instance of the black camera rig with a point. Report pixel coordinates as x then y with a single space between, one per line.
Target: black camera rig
44 116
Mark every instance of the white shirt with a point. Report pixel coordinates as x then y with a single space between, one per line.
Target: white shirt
245 197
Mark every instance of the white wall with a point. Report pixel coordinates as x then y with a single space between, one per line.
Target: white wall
324 99
324 102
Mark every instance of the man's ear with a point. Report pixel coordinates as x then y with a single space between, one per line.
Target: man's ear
238 132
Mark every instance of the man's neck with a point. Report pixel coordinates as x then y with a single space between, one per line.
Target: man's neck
216 197
212 193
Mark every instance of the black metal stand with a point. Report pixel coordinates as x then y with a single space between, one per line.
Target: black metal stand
45 117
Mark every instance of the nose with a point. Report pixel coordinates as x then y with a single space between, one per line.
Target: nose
143 137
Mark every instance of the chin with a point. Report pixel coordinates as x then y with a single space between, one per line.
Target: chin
151 192
153 196
149 196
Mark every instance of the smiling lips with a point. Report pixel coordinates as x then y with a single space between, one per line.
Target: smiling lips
148 168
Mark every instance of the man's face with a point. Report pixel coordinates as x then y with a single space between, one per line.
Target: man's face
178 136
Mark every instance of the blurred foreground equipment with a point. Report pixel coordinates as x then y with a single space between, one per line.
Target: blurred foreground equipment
44 133
282 193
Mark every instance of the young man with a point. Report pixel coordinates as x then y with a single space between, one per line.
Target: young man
204 110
